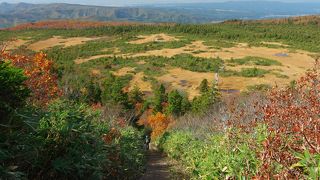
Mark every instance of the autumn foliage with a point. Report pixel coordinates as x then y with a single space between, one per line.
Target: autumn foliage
74 24
41 81
158 123
292 118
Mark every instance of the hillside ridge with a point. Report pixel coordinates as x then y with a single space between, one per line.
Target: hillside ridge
14 14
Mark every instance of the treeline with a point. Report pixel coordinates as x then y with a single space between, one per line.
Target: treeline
296 35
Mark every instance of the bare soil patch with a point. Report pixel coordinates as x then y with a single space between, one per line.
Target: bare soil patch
153 38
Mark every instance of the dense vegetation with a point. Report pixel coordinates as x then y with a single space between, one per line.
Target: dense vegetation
257 136
62 121
56 136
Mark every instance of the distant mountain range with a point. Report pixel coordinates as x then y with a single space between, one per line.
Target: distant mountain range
13 14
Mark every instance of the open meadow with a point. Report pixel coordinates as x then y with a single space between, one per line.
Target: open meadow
179 56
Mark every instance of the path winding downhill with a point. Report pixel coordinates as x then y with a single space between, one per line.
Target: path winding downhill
157 166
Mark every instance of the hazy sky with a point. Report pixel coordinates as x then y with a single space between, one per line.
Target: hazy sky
131 2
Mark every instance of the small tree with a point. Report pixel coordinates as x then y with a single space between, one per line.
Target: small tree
159 98
113 92
185 105
135 95
202 103
204 87
174 103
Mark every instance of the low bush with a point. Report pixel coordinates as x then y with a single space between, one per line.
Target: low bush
215 157
253 72
72 142
252 60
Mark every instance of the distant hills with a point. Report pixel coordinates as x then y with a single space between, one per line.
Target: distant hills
13 14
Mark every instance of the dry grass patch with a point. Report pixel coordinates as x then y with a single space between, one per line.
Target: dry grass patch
188 49
185 80
137 80
144 86
83 60
59 41
113 50
274 43
241 83
141 62
153 38
189 81
10 45
95 72
124 71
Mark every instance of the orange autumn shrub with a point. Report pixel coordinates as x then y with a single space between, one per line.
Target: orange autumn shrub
41 81
158 123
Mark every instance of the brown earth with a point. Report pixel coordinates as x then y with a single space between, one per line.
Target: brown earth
157 167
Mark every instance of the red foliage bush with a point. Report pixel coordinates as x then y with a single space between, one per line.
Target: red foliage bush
41 81
292 118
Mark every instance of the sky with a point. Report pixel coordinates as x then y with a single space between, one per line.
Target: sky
130 2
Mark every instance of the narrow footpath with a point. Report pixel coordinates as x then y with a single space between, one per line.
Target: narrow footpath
157 166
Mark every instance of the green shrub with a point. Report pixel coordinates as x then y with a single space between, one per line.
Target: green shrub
200 104
309 163
174 103
204 86
131 153
69 144
259 87
253 72
216 156
13 92
72 142
252 60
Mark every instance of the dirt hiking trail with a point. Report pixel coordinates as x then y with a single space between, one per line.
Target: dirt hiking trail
157 166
